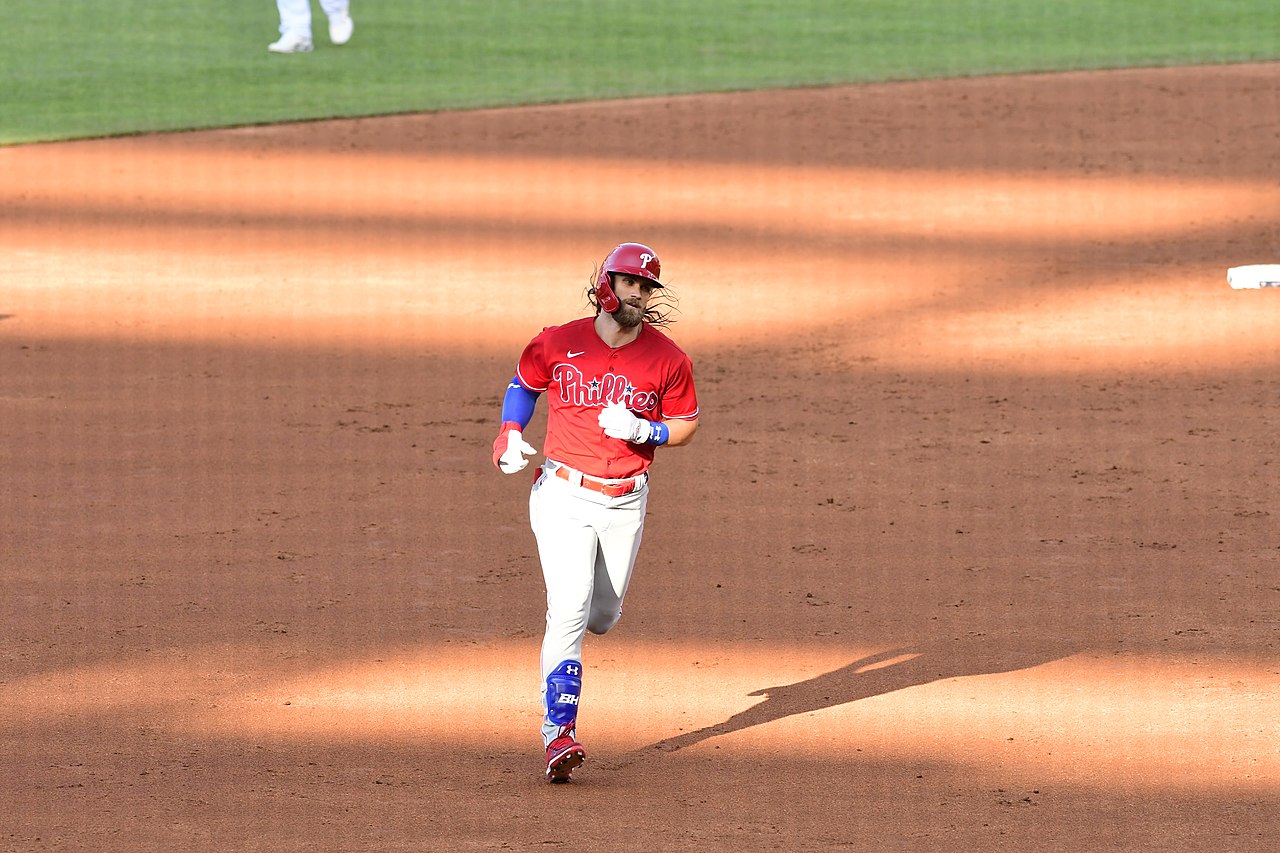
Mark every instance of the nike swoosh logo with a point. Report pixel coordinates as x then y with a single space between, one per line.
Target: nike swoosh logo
573 354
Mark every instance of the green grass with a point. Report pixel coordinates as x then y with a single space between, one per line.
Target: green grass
78 68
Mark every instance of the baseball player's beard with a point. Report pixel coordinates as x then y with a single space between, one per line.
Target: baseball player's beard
628 316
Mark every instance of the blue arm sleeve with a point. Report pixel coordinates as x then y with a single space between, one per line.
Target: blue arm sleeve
518 405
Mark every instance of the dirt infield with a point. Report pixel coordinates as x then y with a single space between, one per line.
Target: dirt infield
977 548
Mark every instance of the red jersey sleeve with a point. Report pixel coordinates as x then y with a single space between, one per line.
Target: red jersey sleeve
534 369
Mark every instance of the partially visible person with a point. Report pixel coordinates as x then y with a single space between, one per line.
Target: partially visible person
295 24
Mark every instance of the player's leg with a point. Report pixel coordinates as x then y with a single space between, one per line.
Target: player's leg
295 17
340 23
616 559
567 550
564 753
295 27
567 547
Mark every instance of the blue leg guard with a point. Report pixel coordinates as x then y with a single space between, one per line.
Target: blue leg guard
564 686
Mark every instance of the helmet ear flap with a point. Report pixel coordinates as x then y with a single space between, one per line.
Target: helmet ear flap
605 297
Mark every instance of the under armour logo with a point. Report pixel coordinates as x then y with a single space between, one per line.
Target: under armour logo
645 257
573 670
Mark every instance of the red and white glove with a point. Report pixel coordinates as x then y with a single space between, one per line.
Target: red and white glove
510 449
618 422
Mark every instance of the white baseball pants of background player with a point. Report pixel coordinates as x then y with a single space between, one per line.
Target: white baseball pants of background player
295 15
587 543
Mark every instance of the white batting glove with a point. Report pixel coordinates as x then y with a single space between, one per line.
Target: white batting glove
618 422
512 459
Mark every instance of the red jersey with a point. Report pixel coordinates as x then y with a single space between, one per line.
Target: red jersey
581 374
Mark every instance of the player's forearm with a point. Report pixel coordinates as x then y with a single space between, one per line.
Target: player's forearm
518 404
681 431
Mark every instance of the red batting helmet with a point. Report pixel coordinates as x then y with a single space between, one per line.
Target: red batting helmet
630 258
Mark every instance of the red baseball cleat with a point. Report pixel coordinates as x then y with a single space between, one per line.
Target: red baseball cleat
563 755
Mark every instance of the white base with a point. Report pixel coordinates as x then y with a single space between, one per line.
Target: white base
1254 276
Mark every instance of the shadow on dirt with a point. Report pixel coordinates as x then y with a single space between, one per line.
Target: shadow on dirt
886 672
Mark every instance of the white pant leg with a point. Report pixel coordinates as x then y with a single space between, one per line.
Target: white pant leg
567 547
335 7
295 17
615 560
587 544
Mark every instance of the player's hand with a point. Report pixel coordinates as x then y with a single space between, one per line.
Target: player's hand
510 449
618 422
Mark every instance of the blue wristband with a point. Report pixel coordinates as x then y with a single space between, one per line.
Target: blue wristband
659 433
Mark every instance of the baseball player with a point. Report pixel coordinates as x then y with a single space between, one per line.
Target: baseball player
295 24
617 389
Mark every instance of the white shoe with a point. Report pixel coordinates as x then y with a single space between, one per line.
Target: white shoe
291 43
340 28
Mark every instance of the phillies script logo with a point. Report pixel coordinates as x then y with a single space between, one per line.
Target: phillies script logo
610 388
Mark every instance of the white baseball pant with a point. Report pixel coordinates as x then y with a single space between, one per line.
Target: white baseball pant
295 15
587 543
